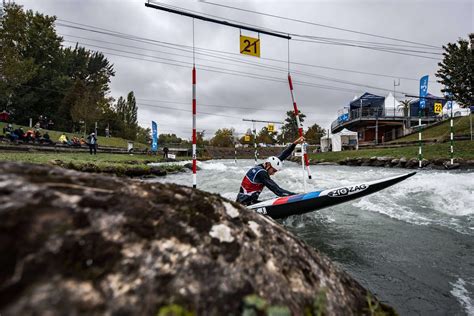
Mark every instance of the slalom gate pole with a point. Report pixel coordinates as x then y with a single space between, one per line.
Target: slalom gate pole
235 153
194 117
302 167
194 127
452 135
420 153
300 126
255 143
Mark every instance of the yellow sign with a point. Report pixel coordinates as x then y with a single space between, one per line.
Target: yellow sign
250 46
247 138
438 108
271 127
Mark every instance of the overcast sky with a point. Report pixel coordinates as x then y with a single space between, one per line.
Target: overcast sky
249 88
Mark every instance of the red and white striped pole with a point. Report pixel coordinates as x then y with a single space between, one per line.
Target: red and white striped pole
194 127
194 116
300 126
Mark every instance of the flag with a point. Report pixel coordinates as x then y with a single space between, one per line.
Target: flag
154 140
423 91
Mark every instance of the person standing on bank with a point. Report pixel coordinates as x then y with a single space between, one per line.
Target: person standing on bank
92 141
258 177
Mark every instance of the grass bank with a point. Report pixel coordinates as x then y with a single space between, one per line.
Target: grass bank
462 149
461 127
122 165
102 141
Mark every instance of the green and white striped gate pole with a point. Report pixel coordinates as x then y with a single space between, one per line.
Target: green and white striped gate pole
452 133
420 152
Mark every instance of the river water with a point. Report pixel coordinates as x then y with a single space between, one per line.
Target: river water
412 244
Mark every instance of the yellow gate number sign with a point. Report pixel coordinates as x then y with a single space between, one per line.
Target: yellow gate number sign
250 46
271 127
247 138
438 108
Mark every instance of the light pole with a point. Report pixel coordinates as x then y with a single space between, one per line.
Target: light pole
394 85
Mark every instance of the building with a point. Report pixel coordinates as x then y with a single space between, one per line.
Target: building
378 119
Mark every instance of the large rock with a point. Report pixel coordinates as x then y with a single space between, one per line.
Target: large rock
75 243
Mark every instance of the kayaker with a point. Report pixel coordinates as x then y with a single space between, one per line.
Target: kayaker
258 177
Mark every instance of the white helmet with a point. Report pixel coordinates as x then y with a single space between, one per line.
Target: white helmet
275 162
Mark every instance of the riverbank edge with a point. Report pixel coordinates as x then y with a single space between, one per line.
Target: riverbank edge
132 170
392 162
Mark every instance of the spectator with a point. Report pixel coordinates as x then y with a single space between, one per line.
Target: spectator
29 136
20 133
92 141
76 142
165 152
50 124
46 139
8 129
82 141
37 135
63 139
10 133
107 132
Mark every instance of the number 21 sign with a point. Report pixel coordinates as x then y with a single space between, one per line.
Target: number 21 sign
250 46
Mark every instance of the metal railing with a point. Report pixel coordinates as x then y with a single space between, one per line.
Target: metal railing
378 113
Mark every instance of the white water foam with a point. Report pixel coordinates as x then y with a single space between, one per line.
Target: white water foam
438 198
462 295
429 198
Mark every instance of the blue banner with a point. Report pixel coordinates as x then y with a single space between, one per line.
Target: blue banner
154 139
423 91
343 118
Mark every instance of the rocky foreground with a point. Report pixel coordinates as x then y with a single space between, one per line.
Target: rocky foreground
76 243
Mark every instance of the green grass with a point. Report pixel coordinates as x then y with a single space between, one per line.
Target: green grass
462 149
461 127
83 157
119 163
102 141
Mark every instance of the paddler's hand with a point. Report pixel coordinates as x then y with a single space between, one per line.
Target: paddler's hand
300 140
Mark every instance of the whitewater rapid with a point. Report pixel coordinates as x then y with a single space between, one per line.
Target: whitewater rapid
431 197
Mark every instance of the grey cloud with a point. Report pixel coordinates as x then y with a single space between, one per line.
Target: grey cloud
432 22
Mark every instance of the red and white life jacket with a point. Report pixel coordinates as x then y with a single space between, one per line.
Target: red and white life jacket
248 185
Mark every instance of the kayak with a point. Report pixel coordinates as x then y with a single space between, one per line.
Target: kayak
307 202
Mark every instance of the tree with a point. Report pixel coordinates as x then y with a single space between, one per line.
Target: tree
289 131
200 141
266 137
456 71
84 107
143 135
169 139
313 134
15 69
223 138
39 77
405 104
127 112
30 55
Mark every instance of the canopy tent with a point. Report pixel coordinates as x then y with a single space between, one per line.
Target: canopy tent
344 138
325 143
429 105
392 106
367 100
457 110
